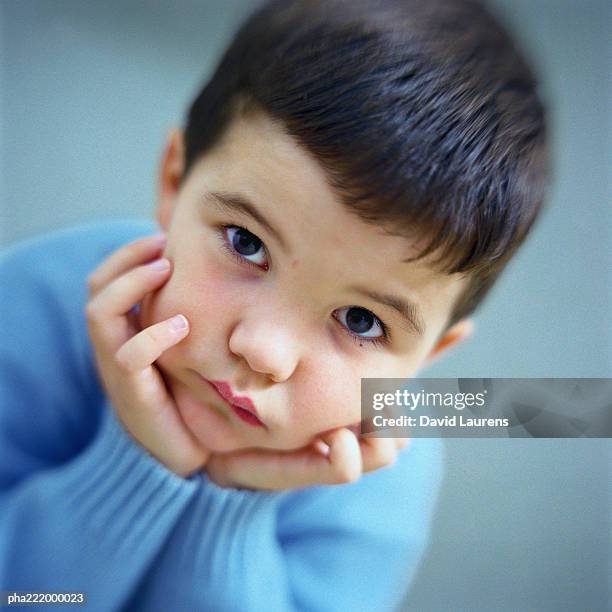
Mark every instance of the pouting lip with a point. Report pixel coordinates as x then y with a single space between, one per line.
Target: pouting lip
225 391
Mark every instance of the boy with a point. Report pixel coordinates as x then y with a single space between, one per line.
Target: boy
347 188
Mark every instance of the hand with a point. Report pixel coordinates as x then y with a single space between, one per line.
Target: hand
125 354
336 457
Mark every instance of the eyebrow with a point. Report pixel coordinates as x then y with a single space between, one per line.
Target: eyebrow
407 309
239 203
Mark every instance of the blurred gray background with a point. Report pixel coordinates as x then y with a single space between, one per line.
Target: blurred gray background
88 93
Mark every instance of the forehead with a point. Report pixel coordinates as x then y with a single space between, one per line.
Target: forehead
257 159
258 154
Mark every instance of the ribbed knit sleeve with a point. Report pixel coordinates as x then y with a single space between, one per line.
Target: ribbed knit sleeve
320 549
93 524
359 546
223 556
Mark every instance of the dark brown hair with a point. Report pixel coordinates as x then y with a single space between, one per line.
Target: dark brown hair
423 115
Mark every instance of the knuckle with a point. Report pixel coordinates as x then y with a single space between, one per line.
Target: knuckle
150 341
337 479
148 275
138 243
92 281
151 336
122 362
403 445
388 457
133 247
388 460
345 474
91 312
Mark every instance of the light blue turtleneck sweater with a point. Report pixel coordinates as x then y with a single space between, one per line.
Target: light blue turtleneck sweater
84 508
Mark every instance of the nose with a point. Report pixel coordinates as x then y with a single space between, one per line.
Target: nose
268 347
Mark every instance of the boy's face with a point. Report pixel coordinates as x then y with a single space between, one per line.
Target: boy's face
287 312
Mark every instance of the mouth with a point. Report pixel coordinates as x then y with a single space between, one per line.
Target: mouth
241 406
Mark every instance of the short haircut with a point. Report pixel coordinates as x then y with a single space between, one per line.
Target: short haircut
424 116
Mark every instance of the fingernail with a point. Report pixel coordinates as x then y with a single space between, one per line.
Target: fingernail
178 323
160 238
160 265
322 448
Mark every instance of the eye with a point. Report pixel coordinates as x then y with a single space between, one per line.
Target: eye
362 324
244 245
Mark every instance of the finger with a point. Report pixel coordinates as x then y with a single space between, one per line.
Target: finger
369 463
264 469
117 298
374 454
379 452
344 455
145 347
321 447
130 255
402 443
260 469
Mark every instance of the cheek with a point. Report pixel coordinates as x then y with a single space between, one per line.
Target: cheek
331 390
197 290
205 293
330 397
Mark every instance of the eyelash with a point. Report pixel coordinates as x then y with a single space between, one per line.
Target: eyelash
225 244
372 342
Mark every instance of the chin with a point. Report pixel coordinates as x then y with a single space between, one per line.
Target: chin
213 429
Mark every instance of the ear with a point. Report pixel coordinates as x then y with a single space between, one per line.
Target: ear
170 173
458 333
